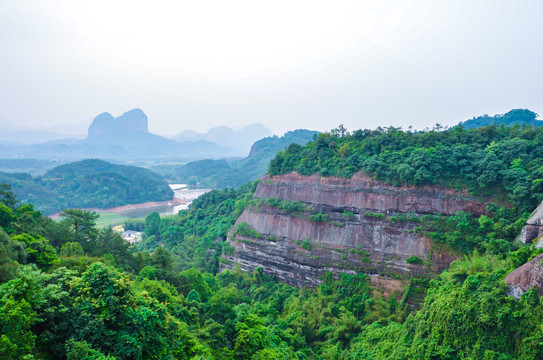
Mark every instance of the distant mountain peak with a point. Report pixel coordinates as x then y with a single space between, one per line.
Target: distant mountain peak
238 140
129 122
135 111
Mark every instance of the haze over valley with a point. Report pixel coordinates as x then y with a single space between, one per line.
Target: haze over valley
126 137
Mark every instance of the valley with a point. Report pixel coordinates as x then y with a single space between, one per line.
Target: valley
249 180
381 244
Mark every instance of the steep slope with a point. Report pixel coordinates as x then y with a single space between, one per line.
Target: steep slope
391 202
533 230
130 122
129 132
526 277
313 224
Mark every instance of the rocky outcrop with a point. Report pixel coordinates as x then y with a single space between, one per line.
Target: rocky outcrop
534 227
362 225
525 277
127 136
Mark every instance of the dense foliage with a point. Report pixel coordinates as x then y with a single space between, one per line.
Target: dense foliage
217 174
502 163
466 315
88 183
86 294
192 235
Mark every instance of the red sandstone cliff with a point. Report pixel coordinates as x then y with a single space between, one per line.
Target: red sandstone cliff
298 251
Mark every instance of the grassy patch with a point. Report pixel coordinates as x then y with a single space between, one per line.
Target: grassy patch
110 219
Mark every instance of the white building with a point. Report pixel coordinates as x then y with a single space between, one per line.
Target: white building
131 236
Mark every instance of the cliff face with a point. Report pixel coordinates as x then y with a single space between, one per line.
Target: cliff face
360 228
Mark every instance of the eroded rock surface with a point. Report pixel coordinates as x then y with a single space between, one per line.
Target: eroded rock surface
534 227
373 240
525 277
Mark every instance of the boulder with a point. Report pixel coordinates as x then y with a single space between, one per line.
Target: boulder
534 227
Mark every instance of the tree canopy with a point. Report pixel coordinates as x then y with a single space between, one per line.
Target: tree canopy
86 184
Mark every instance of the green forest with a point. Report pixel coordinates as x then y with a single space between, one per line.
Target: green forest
69 290
88 183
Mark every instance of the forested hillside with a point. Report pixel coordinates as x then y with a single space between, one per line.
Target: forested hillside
88 183
70 290
217 174
511 118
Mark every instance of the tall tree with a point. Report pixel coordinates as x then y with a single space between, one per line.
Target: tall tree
83 226
152 224
8 197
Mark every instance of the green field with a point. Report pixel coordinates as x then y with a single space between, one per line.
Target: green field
110 219
117 218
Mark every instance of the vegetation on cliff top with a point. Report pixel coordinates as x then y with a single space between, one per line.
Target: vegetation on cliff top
488 161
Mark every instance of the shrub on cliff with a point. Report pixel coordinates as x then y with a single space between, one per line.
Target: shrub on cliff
415 260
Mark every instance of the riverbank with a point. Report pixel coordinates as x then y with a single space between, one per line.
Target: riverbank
148 205
183 197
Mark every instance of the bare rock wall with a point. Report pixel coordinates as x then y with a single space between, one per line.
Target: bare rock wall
299 251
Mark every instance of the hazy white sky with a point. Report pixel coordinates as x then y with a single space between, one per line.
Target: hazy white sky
287 64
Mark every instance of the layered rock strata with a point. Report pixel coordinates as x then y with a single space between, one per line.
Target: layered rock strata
362 225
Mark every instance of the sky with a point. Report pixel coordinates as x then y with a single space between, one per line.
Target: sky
285 64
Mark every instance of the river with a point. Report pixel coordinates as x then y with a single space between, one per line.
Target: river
181 192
